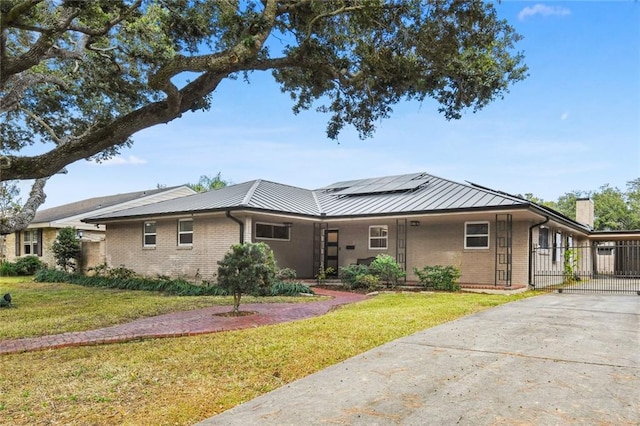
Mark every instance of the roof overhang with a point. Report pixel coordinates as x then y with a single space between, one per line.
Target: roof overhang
615 235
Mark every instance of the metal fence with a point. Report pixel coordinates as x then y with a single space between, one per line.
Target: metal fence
607 267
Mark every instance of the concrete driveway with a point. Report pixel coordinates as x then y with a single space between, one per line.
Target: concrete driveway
556 359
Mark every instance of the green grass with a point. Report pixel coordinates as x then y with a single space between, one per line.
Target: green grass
50 308
181 381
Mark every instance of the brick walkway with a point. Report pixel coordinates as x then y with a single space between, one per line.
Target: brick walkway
189 323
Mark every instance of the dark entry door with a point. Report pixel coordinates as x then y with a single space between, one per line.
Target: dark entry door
331 251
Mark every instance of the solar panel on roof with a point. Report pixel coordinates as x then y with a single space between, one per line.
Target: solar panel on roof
375 187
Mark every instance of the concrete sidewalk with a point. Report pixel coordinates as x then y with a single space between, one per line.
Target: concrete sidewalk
556 359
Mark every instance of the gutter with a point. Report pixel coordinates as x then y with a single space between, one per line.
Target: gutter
239 222
535 225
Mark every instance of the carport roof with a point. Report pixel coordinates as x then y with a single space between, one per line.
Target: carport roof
417 193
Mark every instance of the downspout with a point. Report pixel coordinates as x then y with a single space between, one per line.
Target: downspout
535 225
239 222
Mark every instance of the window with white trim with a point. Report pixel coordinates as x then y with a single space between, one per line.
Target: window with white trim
149 234
272 231
378 237
30 242
185 232
476 235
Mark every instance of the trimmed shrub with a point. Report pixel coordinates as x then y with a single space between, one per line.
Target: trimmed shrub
28 265
349 275
8 269
438 277
387 269
369 281
285 274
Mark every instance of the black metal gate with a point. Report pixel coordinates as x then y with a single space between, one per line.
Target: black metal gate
605 267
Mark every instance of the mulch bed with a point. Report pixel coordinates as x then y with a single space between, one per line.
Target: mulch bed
235 314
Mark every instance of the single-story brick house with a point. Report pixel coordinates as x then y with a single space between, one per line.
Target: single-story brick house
419 219
37 238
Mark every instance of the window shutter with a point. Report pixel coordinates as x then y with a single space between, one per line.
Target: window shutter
39 242
17 244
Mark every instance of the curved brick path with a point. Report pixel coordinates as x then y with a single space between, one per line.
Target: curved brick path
189 323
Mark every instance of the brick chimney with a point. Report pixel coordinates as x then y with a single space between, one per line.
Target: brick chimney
585 211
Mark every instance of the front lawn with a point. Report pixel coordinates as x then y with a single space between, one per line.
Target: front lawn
51 308
184 380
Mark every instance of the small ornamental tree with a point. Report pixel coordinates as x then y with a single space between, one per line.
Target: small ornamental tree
66 249
246 268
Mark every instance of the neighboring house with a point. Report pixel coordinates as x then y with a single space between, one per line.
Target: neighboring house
419 219
37 238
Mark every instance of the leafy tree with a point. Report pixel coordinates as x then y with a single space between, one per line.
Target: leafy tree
530 197
207 183
246 268
613 208
633 201
566 203
79 78
66 249
9 201
610 207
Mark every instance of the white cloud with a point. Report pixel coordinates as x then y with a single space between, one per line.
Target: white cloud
541 9
118 161
564 116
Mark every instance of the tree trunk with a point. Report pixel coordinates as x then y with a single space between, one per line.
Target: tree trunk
236 302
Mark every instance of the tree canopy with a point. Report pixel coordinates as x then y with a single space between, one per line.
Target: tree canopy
614 209
79 78
207 183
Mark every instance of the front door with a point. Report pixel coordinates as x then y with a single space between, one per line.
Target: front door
331 250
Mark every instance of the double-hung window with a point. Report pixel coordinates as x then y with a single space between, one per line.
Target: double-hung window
476 235
149 234
185 232
378 237
30 242
272 231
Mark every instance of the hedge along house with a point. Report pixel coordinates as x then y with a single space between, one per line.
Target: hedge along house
37 238
419 219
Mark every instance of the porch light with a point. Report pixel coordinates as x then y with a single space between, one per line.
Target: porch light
414 223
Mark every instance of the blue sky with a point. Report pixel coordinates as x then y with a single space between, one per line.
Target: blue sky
573 124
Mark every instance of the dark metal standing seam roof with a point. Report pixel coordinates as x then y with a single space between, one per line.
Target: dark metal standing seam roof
259 195
283 198
437 195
